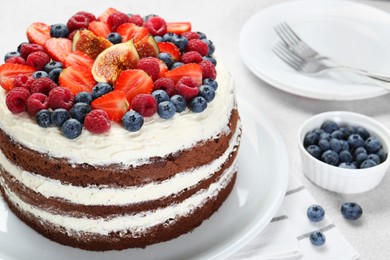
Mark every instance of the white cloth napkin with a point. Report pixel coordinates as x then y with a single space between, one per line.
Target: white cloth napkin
287 235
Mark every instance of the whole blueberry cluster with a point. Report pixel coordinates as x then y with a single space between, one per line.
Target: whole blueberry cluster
345 145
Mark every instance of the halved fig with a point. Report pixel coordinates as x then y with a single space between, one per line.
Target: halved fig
88 42
147 47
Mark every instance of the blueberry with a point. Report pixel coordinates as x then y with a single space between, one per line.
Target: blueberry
158 38
348 165
176 65
211 46
166 57
355 141
52 65
337 134
198 104
318 131
59 30
345 156
11 54
344 145
180 41
314 151
83 97
114 38
20 46
207 92
211 82
315 213
362 132
382 154
160 95
146 17
317 238
54 74
360 157
100 89
310 138
324 144
325 136
329 126
166 109
351 210
168 37
348 130
202 35
367 164
372 144
330 157
211 59
335 145
71 128
359 150
179 102
40 74
80 110
132 121
59 116
43 118
374 157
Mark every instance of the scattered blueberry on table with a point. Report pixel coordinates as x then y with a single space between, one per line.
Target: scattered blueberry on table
351 211
315 213
317 238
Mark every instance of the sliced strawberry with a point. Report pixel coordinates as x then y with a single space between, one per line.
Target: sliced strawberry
130 31
99 28
58 48
76 80
8 72
114 103
192 70
134 82
178 27
79 60
38 33
170 48
163 67
104 16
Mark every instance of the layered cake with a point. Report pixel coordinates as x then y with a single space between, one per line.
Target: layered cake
117 131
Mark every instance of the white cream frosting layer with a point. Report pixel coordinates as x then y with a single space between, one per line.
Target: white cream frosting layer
158 137
98 195
136 224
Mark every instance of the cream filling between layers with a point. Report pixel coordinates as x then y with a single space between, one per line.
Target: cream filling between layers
157 138
136 224
98 195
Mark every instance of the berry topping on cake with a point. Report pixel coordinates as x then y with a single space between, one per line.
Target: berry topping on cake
192 70
198 104
79 111
16 100
191 57
43 85
132 121
99 28
166 84
144 104
28 48
151 66
130 31
187 87
156 26
60 97
59 30
38 33
136 19
80 20
23 81
97 121
71 128
59 116
76 80
166 109
160 95
8 72
37 102
199 46
208 70
58 48
170 48
178 27
116 19
114 103
100 89
43 118
38 60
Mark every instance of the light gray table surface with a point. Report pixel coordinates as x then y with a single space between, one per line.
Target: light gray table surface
222 21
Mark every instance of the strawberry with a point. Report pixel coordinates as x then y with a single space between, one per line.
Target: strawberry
114 103
79 60
170 48
8 72
76 80
163 67
130 31
104 16
38 33
192 70
134 82
99 28
178 27
58 48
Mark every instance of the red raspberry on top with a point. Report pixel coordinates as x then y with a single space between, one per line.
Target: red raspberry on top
136 19
187 87
191 35
150 66
36 102
198 46
28 48
60 97
80 20
23 81
16 60
43 85
16 100
97 121
116 19
166 84
156 26
144 104
208 70
191 57
38 60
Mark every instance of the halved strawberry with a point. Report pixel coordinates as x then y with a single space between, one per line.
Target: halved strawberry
99 28
114 103
79 60
130 31
192 70
134 82
8 72
163 67
38 33
58 48
76 80
170 48
178 27
104 16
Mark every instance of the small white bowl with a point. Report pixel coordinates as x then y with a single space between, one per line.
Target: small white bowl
338 179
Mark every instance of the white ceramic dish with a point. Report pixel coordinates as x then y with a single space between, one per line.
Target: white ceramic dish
337 179
257 195
360 38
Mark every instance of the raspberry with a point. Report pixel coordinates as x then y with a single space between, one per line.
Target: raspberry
80 20
156 26
136 19
116 19
43 85
36 102
208 70
150 65
16 100
144 104
28 48
166 84
16 60
60 97
191 35
187 87
38 60
191 57
198 46
23 81
97 121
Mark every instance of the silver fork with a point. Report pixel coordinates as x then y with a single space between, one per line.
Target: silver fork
314 66
299 47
